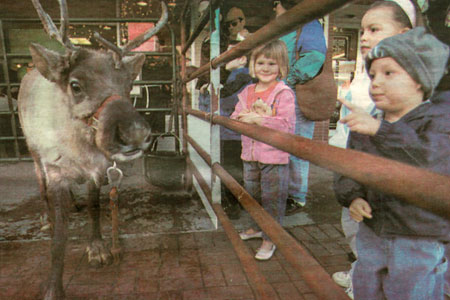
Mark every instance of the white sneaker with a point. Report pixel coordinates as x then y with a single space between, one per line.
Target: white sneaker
342 278
247 236
265 254
349 292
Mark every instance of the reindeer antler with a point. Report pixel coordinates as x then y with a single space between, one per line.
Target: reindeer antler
50 27
139 40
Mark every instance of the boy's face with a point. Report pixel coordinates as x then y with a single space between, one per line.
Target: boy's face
392 89
377 24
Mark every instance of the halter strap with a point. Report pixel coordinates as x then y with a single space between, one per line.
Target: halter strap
93 120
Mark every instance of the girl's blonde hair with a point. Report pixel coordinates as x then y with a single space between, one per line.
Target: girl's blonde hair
275 50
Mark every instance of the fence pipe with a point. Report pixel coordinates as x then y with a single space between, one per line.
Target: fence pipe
302 13
8 93
201 25
413 185
184 101
199 149
314 275
258 282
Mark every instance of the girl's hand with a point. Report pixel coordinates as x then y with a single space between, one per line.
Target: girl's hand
360 209
261 108
359 120
250 117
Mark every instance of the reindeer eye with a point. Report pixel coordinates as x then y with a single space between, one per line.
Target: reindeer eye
75 86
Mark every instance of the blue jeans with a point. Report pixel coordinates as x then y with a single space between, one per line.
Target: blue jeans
299 168
398 267
447 274
268 185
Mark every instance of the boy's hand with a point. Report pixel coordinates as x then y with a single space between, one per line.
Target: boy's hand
250 117
360 209
359 120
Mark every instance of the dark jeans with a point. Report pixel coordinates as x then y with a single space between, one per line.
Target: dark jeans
231 161
269 185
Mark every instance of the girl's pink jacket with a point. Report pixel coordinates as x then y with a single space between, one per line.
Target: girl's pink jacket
282 101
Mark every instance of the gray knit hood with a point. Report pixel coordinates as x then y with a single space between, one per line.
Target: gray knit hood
422 55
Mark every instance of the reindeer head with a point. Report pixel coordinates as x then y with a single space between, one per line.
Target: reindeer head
96 85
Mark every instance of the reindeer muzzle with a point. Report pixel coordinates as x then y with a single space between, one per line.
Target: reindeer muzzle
92 121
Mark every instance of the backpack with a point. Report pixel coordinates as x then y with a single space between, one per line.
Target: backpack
317 97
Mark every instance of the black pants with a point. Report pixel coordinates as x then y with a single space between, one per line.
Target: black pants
232 163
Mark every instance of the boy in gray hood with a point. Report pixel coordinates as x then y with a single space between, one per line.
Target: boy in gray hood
400 246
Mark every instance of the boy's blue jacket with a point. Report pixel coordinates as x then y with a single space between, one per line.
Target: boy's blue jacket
420 138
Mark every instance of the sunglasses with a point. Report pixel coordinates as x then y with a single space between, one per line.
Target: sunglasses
233 23
275 4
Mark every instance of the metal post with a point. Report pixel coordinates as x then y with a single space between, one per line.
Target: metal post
214 91
8 92
175 91
188 174
198 29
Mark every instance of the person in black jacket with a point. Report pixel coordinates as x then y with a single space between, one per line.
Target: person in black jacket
400 246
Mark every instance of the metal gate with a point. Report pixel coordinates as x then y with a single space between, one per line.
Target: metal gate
12 141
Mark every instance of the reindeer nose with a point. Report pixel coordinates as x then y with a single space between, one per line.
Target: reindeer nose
134 133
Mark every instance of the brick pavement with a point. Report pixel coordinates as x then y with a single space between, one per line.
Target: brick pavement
188 266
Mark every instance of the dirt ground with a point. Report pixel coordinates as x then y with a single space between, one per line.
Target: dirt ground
144 208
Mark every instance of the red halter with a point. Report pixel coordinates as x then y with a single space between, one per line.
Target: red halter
92 120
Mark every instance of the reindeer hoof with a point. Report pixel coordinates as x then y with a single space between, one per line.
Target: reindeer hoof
98 254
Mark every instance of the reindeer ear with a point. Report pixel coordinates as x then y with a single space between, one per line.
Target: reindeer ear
134 63
49 63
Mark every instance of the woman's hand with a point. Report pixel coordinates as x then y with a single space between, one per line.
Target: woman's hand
359 120
360 209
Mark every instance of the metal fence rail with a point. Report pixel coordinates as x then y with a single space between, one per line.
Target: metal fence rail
409 183
302 13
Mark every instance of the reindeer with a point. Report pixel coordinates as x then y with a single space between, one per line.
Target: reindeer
77 118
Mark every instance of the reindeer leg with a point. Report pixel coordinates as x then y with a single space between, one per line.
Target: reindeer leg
59 197
39 169
98 253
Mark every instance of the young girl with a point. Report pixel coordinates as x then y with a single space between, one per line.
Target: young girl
270 103
383 19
